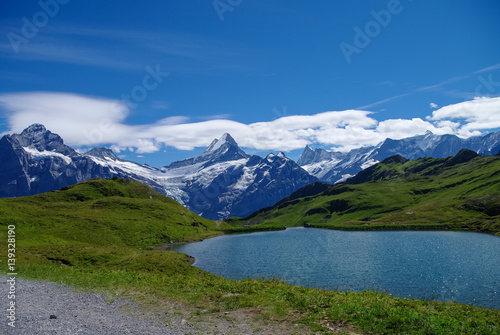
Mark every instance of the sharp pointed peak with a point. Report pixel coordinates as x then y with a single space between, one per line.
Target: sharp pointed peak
226 136
221 149
217 143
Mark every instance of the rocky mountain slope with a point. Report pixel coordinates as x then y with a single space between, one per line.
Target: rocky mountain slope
333 167
223 181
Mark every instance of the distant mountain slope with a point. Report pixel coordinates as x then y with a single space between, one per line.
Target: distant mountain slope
333 167
38 161
461 191
223 181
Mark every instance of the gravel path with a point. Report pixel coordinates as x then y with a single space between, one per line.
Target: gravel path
51 308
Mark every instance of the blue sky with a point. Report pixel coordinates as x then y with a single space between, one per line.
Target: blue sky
158 80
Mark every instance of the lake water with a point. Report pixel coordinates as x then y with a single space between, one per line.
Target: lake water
447 266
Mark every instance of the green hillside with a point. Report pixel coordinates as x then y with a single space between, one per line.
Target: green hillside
102 234
116 212
103 223
460 192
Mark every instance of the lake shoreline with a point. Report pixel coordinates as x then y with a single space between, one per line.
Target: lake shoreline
401 227
413 253
224 232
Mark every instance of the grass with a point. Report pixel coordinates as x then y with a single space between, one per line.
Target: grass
420 194
368 311
101 235
99 212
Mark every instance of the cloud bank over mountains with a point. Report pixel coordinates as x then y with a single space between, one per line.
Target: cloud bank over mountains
88 121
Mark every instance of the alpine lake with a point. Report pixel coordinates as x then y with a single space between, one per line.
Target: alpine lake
431 265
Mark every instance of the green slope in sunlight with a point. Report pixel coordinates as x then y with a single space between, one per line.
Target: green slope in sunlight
460 192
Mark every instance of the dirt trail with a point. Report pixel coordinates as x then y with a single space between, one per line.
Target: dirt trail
50 308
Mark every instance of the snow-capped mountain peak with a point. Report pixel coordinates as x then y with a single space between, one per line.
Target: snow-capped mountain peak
34 131
38 138
311 156
103 153
223 149
332 167
225 141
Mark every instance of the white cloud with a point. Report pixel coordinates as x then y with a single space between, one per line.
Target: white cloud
433 105
81 120
473 116
85 121
401 128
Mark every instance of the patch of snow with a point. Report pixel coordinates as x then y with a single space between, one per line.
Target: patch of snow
205 176
344 178
43 154
270 157
319 169
173 181
428 141
246 178
216 144
369 163
129 167
183 170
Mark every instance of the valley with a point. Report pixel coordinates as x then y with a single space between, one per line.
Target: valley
222 182
104 235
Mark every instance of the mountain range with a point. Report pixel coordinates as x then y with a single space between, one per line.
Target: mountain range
222 182
334 166
458 192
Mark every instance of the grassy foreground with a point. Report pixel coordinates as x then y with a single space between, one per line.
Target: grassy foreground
100 235
156 275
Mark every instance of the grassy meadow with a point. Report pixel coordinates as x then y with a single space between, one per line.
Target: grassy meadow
102 235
